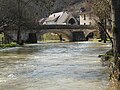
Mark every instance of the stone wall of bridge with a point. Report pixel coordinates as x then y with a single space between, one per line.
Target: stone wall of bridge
26 35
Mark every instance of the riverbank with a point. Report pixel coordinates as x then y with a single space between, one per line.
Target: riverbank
108 60
3 46
51 41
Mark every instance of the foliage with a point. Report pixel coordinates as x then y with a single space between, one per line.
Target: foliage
101 8
8 45
26 10
1 36
50 36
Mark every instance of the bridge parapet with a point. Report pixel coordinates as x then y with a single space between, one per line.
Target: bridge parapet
38 27
28 29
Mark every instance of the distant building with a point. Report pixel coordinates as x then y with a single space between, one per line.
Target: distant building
86 17
62 18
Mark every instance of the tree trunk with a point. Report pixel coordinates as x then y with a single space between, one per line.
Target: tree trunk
19 22
116 35
116 24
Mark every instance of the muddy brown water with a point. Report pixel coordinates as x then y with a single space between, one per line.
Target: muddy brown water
54 66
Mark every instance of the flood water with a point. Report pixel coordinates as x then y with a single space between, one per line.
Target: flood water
54 66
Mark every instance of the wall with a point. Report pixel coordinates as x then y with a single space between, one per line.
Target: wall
87 21
70 33
25 33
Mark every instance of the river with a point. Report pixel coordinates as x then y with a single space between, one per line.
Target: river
54 66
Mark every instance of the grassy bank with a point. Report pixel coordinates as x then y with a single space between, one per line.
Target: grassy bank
2 46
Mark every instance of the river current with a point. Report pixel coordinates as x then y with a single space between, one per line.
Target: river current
54 66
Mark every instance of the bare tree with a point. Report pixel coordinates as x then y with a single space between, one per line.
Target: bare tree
102 9
24 11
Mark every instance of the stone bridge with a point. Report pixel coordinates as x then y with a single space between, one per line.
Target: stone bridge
32 33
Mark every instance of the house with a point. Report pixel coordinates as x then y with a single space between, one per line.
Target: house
62 18
86 17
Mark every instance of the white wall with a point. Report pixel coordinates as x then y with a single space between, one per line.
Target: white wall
87 21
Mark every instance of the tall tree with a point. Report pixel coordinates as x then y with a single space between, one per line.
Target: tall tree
115 4
116 24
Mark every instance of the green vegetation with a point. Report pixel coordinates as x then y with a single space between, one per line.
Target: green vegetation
107 55
1 35
50 36
2 46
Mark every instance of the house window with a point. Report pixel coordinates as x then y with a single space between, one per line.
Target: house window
84 17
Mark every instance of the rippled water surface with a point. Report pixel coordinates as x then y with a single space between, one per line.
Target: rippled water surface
54 66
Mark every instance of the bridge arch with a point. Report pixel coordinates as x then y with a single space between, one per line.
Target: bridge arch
90 34
65 33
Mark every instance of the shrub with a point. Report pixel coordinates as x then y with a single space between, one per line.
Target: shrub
8 45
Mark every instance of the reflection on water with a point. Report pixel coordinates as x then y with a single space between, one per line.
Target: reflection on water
55 66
